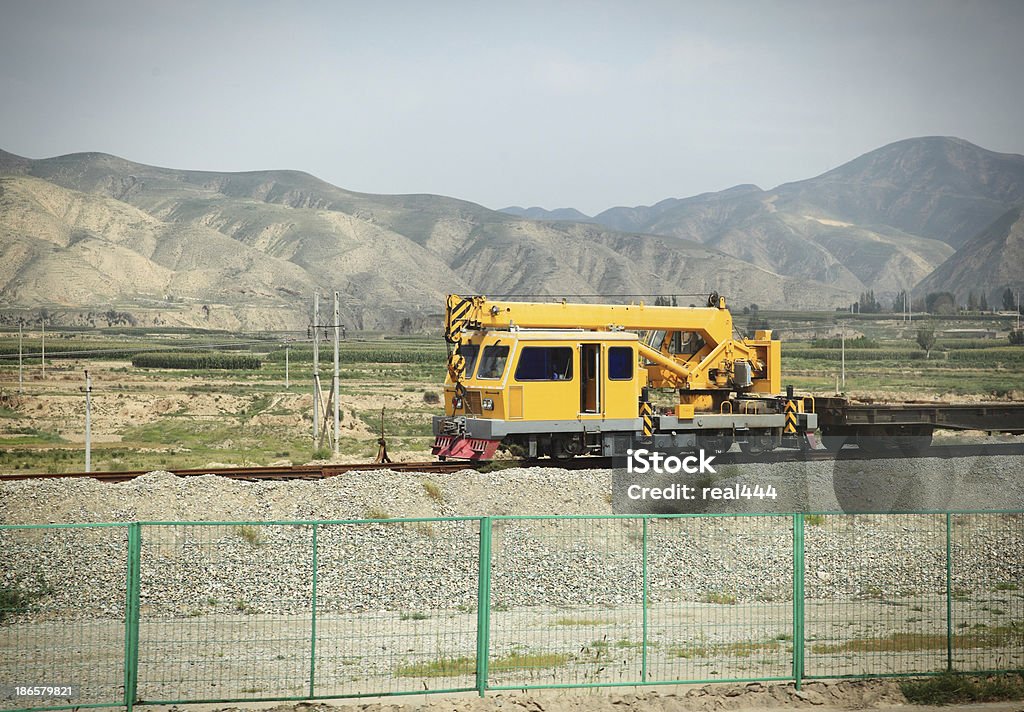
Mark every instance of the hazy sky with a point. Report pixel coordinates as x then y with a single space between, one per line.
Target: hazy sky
583 104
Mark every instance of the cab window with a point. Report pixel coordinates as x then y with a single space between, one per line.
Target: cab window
620 363
469 352
688 342
492 363
545 363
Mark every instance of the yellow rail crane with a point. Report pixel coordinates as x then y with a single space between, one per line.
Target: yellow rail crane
564 379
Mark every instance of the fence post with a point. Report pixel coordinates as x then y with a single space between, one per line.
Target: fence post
949 592
312 608
798 599
483 607
131 617
643 649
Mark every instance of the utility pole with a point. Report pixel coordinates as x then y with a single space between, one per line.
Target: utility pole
842 341
21 377
337 374
1018 310
316 366
287 383
43 360
88 422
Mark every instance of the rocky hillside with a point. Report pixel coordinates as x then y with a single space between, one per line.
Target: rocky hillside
246 250
883 221
991 261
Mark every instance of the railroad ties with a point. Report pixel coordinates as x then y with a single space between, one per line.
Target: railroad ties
318 472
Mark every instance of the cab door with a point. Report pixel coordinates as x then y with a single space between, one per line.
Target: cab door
590 379
621 385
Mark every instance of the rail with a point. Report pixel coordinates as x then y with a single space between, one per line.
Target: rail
301 472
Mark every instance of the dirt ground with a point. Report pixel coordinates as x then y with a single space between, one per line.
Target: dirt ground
883 696
124 398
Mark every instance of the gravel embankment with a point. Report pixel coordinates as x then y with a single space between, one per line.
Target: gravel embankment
434 565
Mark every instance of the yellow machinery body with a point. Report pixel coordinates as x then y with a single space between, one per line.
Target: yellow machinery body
542 369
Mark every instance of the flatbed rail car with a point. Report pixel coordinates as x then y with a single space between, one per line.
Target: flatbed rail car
909 426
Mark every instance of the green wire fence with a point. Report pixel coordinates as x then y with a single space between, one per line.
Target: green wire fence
216 612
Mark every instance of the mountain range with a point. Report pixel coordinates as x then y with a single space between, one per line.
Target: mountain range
92 232
885 221
85 233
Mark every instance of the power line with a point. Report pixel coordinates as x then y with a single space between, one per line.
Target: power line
133 350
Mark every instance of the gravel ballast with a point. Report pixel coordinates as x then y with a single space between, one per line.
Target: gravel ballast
434 565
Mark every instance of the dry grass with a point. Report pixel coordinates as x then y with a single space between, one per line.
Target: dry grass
907 642
581 621
249 534
377 513
465 666
433 490
739 649
956 689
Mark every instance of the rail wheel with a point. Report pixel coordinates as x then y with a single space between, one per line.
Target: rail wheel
834 441
716 443
915 443
875 443
755 444
566 447
908 440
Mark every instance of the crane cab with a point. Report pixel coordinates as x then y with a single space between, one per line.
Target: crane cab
547 375
521 382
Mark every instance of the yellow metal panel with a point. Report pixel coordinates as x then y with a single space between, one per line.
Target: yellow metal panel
620 397
774 367
684 412
515 402
551 400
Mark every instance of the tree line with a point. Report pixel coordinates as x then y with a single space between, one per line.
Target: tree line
938 303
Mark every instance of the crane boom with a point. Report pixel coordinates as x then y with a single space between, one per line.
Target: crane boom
689 348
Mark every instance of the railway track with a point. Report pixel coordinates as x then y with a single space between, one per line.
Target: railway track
319 472
282 472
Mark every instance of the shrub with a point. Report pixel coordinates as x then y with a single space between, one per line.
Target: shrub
926 340
861 342
364 354
249 534
433 490
16 597
189 360
377 513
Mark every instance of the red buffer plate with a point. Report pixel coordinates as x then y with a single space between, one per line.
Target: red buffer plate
465 448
